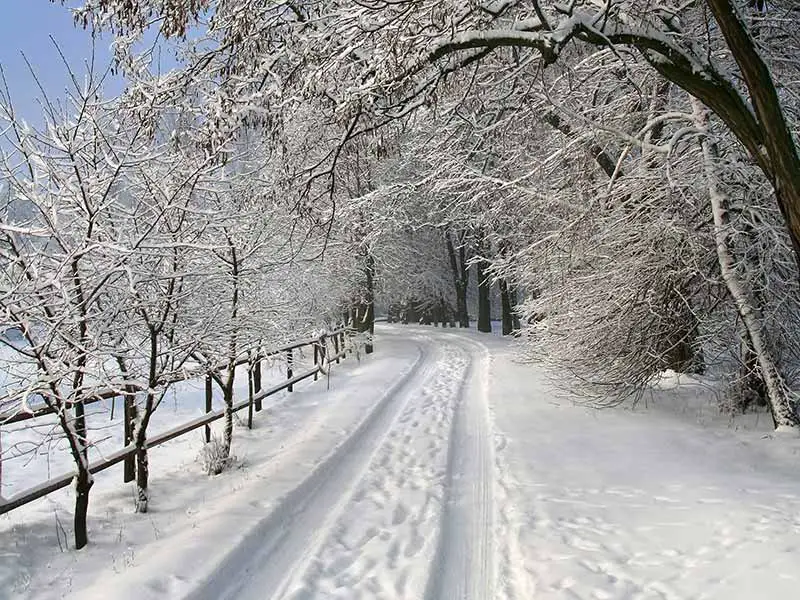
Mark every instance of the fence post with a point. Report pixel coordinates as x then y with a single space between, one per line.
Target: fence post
129 465
257 380
208 406
250 396
289 360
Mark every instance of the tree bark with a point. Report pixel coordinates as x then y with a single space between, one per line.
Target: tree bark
366 320
751 388
513 298
83 483
460 278
129 417
83 480
484 304
505 302
142 475
227 393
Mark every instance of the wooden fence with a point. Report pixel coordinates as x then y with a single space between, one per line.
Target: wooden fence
253 402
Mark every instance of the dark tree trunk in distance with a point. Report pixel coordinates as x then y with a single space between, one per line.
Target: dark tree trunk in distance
366 312
460 278
505 302
513 298
484 305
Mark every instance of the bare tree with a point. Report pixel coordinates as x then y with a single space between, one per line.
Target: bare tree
64 252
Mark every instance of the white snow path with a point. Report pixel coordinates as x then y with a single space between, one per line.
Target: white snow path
440 469
464 567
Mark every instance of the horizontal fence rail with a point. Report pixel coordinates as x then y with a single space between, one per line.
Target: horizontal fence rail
128 451
98 395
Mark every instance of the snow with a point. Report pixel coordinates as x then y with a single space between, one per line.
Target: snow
653 503
440 467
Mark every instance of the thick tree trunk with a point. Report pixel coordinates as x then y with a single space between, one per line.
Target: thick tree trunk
751 388
83 483
484 305
76 438
461 306
784 412
460 279
505 303
773 147
129 418
83 480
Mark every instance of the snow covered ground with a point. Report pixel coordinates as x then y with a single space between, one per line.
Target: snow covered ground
440 468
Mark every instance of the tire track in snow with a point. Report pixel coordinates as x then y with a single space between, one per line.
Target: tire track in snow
385 540
281 545
464 566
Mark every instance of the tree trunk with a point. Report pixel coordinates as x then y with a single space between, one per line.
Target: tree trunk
257 379
513 298
484 305
142 465
366 322
84 479
460 279
751 388
784 412
774 149
425 315
227 394
142 475
129 417
76 438
83 483
505 302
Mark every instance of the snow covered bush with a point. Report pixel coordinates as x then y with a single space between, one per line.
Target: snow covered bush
215 456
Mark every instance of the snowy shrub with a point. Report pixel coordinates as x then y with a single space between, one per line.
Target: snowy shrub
215 456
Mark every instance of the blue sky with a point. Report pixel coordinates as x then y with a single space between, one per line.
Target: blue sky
25 26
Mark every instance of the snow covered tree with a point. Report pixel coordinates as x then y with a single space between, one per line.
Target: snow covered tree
66 249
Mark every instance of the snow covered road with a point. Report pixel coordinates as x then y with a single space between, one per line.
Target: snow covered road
441 469
401 509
